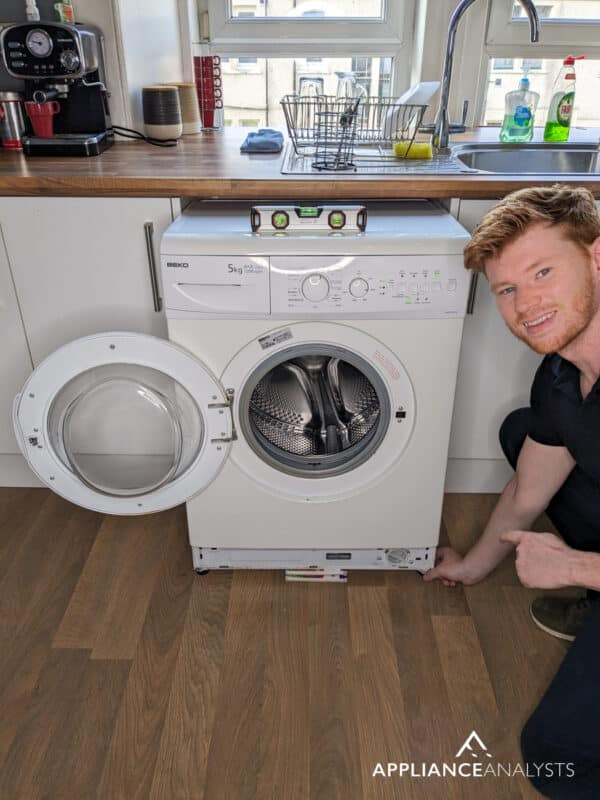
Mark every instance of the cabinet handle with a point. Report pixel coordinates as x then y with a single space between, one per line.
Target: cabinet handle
149 233
472 292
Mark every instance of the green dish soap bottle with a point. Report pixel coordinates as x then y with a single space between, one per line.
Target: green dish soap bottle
560 110
519 113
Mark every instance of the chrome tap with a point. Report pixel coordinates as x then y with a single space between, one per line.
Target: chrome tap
439 138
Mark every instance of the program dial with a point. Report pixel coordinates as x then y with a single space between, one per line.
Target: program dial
315 288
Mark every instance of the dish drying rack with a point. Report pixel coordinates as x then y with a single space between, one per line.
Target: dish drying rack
342 133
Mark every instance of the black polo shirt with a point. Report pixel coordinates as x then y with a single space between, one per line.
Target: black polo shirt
560 416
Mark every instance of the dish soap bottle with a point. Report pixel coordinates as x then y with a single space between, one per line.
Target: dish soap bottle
560 110
519 113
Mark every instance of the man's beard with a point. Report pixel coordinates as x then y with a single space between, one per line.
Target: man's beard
580 316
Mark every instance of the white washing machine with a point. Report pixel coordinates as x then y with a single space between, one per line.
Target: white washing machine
302 406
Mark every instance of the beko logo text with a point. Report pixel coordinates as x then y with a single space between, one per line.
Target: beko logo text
181 264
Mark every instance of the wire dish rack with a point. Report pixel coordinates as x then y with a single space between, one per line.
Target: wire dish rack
340 133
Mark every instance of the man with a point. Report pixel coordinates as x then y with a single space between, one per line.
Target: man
540 251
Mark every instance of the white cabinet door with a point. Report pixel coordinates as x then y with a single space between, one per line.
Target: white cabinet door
15 363
495 369
81 265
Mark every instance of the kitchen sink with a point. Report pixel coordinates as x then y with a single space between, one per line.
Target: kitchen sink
530 159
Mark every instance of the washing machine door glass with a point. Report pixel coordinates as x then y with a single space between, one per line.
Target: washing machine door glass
125 429
123 423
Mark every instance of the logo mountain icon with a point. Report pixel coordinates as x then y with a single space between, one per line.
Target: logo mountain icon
473 737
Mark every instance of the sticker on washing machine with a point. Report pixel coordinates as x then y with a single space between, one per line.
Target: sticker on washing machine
275 338
385 362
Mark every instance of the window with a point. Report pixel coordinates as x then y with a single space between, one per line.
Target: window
543 11
586 111
569 23
532 63
256 96
277 9
312 27
504 63
576 10
289 39
566 26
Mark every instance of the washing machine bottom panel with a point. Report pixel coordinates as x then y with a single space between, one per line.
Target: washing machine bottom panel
419 559
400 511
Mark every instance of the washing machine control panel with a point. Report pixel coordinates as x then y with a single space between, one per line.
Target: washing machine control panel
402 286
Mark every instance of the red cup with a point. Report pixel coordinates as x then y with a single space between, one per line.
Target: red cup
42 117
207 72
208 117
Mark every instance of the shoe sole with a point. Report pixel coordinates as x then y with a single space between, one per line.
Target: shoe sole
564 636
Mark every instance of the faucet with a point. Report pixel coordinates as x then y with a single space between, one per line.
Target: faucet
441 128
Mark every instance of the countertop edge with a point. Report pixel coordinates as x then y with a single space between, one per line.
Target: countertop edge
364 187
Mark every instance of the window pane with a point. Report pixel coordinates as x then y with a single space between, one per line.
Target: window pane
252 92
306 9
587 109
504 63
564 9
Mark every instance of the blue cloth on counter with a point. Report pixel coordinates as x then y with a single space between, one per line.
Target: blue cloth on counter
265 140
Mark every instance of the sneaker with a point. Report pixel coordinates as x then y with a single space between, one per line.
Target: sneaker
560 616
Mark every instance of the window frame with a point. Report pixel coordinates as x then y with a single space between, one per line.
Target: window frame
390 36
504 32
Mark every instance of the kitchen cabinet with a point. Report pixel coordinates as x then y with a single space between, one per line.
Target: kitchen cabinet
16 362
81 265
494 377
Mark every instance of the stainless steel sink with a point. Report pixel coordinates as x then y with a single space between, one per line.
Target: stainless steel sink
530 159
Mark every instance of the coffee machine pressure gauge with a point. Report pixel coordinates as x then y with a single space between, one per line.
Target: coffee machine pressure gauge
39 43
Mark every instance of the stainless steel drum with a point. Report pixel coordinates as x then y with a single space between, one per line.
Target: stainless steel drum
314 406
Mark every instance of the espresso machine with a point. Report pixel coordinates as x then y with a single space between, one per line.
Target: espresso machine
64 65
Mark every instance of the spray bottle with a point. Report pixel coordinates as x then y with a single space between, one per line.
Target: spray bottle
560 111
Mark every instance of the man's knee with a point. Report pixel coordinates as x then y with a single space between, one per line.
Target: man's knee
540 755
512 434
534 746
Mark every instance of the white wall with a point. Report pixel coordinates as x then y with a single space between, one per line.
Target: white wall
143 47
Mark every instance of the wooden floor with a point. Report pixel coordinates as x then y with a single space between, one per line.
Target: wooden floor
125 675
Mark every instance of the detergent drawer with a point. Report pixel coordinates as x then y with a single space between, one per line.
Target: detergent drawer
216 284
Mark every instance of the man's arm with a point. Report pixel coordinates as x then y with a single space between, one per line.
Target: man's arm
585 570
541 471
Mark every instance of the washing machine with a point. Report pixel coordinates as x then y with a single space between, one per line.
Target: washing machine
302 405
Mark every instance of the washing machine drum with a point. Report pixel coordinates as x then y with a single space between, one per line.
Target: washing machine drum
315 412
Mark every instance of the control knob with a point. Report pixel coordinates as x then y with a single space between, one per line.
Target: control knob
70 60
358 287
315 288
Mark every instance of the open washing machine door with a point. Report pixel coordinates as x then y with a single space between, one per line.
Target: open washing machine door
123 423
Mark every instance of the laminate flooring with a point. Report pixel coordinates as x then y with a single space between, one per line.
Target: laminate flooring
123 674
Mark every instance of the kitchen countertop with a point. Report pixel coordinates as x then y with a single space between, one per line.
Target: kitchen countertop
209 165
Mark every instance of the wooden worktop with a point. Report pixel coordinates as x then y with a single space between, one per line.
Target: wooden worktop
210 165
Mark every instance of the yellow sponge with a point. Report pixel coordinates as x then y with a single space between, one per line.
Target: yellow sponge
414 150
